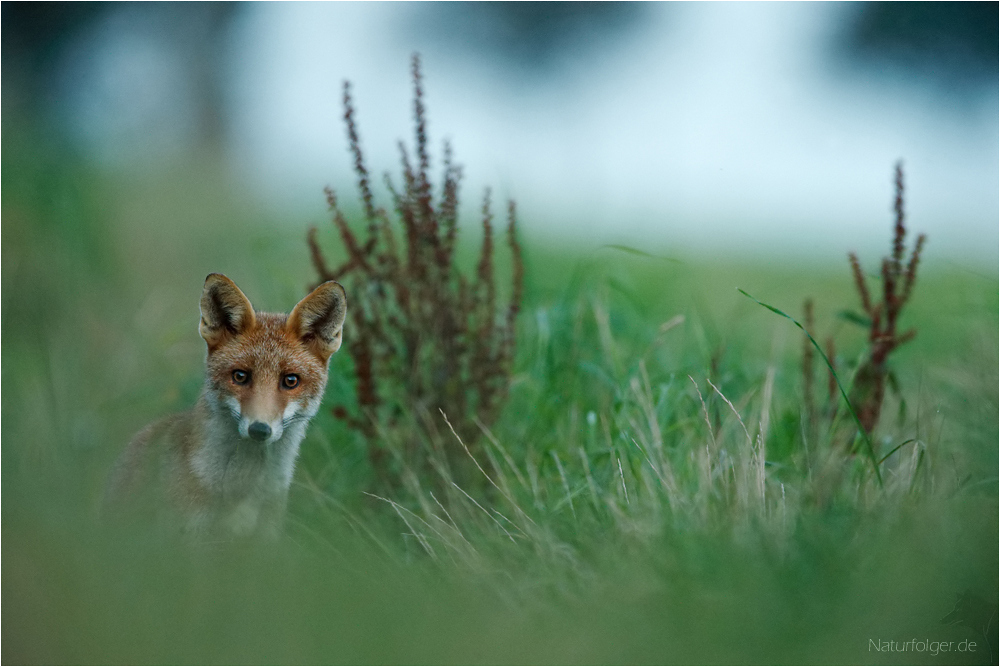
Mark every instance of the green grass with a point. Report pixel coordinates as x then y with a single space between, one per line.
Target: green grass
627 512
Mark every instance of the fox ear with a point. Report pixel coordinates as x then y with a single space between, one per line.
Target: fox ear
225 310
319 319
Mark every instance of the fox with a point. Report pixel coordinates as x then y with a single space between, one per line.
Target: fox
224 467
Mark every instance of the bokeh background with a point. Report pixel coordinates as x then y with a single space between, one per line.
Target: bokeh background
148 144
736 127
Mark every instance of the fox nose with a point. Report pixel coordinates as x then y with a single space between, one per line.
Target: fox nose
259 431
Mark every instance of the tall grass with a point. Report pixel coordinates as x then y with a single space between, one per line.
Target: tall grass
646 496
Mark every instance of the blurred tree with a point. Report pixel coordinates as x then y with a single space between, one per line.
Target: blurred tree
33 34
44 40
953 42
531 37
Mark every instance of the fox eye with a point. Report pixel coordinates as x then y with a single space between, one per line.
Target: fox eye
241 376
290 381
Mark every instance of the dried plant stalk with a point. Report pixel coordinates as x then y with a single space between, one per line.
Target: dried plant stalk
423 337
897 286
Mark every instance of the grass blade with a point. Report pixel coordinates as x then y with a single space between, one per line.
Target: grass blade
640 253
864 434
897 448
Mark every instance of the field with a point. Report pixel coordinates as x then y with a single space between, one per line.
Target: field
648 495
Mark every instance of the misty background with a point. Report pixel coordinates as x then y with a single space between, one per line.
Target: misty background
729 127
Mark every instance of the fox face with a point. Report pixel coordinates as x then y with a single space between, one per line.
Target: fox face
266 372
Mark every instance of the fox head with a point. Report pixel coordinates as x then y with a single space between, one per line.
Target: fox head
267 370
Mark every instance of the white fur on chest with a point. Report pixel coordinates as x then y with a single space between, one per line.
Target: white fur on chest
247 481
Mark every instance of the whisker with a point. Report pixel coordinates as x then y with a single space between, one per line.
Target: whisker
288 421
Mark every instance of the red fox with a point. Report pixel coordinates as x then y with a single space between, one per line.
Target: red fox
226 465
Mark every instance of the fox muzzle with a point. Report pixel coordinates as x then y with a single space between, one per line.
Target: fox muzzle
259 431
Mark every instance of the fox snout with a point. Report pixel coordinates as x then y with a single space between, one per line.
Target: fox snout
258 420
262 427
259 431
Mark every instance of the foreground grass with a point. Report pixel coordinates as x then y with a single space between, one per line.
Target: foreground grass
623 510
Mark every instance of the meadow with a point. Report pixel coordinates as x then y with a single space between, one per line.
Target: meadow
650 493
